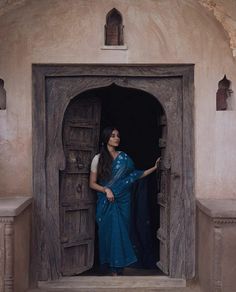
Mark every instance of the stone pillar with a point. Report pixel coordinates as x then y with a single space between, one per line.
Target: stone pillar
11 209
217 244
9 255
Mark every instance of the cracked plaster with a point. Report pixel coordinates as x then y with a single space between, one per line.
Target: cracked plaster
8 5
227 19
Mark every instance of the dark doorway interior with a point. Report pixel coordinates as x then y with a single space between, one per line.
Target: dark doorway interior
137 116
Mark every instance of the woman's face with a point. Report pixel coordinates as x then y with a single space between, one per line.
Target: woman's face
114 140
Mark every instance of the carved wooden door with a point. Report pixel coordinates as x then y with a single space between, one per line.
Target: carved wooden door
77 200
163 200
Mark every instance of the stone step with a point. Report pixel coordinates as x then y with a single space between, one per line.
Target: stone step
118 290
116 284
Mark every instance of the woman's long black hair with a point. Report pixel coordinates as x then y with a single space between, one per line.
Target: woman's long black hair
105 159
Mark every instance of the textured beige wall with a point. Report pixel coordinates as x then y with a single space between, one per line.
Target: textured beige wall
156 31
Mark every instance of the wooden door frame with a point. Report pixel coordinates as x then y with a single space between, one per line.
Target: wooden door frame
45 256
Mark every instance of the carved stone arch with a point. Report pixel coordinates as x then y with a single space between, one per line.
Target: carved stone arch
114 28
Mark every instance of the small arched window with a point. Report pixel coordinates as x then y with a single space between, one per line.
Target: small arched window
2 95
223 93
114 29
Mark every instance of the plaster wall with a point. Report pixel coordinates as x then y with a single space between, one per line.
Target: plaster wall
156 31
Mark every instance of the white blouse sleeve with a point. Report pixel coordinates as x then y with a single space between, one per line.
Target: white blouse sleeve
94 164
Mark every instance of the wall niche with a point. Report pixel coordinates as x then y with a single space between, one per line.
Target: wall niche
2 95
223 94
114 29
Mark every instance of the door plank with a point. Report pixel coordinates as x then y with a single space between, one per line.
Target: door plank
77 200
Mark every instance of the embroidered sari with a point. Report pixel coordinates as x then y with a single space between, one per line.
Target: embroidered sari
113 219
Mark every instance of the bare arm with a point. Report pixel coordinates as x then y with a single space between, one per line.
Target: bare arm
95 186
151 170
93 183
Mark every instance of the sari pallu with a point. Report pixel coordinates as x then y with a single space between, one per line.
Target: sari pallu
113 219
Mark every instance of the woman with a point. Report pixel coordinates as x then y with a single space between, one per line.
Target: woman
112 174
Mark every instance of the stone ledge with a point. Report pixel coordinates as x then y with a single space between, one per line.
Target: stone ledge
110 283
218 208
122 47
13 206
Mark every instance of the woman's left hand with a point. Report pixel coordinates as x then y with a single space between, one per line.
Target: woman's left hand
109 195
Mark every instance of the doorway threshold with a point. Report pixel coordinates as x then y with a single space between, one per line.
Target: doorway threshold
117 283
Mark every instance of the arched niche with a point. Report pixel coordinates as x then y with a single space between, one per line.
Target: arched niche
2 95
222 94
114 28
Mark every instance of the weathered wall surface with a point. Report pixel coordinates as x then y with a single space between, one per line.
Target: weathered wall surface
225 13
156 31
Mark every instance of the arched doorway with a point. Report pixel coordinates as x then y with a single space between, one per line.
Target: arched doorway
138 116
54 87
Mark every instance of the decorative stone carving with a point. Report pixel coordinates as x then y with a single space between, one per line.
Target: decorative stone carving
9 257
217 273
2 95
6 254
2 256
228 23
221 221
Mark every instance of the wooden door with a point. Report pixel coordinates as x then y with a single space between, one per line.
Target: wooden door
163 201
53 85
77 200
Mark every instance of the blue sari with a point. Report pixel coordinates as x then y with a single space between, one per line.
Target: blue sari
113 219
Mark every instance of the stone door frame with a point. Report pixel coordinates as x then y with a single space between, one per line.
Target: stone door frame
45 258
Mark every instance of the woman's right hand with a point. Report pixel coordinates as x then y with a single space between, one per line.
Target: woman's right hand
157 162
109 195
